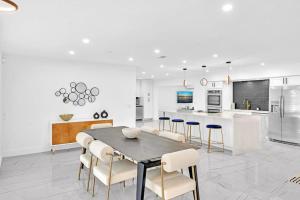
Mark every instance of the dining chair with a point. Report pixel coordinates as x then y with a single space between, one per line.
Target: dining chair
104 125
85 158
150 130
173 136
107 170
167 182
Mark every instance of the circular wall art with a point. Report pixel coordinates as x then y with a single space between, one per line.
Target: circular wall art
79 94
203 81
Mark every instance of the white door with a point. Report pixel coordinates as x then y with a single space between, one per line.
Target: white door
276 81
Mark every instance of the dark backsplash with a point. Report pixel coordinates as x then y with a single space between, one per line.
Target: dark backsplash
257 92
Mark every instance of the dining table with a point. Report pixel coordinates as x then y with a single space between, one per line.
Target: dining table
147 150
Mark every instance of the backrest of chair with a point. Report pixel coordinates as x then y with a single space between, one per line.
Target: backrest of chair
84 139
173 136
104 125
101 150
150 130
180 160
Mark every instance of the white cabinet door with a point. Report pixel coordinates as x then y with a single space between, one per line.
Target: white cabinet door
219 84
276 81
215 85
293 80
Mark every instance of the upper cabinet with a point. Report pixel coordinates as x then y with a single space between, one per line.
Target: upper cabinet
280 81
215 85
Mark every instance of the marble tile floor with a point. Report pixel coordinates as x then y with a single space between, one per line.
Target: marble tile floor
260 175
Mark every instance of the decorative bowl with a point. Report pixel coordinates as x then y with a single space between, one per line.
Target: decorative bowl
66 117
131 133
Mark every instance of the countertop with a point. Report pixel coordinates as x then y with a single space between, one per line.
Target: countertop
78 120
222 115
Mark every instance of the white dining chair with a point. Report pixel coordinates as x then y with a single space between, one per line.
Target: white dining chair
104 125
85 158
107 170
173 136
150 130
167 182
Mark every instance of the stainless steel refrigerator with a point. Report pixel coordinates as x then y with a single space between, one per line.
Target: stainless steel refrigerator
284 117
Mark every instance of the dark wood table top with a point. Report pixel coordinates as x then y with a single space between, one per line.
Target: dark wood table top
146 147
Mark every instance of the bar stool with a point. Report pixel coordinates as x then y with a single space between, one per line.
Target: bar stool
163 119
190 124
214 127
174 124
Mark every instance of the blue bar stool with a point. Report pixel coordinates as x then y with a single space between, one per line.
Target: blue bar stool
190 124
163 119
175 122
214 127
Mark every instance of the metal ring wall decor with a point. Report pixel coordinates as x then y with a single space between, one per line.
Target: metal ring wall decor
79 94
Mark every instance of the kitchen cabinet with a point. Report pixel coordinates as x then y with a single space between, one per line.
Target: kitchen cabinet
289 80
215 85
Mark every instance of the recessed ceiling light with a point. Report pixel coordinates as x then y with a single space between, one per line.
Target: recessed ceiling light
157 51
152 76
167 74
143 72
215 55
161 66
184 61
207 70
86 40
262 64
71 52
130 59
227 7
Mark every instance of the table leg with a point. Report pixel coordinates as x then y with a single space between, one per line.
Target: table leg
141 176
141 179
196 180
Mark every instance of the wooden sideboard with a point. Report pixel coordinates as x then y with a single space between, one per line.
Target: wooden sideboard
65 132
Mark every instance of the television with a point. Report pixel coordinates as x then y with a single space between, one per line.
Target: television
184 97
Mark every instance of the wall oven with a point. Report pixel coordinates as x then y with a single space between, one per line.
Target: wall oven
214 101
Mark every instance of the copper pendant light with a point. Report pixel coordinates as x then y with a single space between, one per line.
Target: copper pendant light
228 78
8 6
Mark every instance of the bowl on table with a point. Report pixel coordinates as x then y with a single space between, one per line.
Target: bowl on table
66 117
131 133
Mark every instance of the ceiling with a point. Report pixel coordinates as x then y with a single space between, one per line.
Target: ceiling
255 31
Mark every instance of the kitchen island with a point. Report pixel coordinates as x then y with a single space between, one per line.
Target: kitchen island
243 131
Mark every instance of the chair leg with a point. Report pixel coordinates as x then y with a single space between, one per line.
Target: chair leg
172 127
108 192
200 135
190 134
170 124
183 128
79 171
159 125
94 182
89 177
209 138
222 140
163 125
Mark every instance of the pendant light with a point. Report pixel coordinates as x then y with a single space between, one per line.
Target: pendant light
8 6
203 81
184 78
227 78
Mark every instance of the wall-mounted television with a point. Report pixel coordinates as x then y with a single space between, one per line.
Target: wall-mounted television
184 97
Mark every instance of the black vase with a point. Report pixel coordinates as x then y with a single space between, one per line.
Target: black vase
104 114
96 115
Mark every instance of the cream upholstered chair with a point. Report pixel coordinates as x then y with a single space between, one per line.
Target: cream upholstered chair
173 136
166 181
150 130
104 125
84 141
108 171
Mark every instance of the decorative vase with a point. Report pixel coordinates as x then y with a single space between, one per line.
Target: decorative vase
96 115
104 114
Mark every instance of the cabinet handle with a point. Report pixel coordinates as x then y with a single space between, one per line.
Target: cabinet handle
283 81
286 80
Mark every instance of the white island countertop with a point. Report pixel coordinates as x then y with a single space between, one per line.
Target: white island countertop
243 131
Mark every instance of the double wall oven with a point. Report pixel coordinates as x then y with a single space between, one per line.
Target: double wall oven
214 101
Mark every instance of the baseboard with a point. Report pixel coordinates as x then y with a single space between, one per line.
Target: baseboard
25 151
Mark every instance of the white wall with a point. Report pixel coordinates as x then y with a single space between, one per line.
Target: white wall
1 127
30 104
